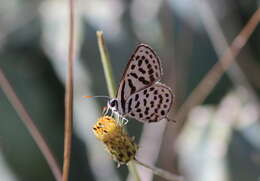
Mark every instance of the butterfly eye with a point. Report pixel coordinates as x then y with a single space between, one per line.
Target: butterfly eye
113 103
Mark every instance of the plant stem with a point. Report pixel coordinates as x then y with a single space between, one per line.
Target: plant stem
31 127
106 64
162 173
111 87
205 86
69 96
220 44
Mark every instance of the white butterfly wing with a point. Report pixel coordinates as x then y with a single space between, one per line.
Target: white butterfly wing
151 104
142 71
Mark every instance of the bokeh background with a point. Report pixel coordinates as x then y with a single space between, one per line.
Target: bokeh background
218 140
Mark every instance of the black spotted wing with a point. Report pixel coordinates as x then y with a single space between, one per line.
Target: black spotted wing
151 104
142 71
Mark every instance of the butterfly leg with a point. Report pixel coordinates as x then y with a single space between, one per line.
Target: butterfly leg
125 121
105 110
116 115
121 120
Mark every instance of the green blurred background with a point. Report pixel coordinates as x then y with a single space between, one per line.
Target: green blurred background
219 140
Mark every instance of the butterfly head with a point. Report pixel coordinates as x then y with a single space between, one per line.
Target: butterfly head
113 104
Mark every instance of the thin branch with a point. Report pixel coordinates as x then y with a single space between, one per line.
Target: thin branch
210 80
220 44
106 64
69 96
162 173
31 127
111 87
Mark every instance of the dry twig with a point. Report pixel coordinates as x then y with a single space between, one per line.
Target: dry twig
160 172
69 96
31 127
210 80
220 44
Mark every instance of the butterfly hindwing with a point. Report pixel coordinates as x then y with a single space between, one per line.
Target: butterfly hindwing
142 71
151 104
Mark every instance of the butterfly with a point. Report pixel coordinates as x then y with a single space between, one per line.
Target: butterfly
140 94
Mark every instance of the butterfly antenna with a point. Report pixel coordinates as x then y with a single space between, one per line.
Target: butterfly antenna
97 97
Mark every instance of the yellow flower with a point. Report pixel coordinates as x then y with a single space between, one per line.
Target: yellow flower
117 142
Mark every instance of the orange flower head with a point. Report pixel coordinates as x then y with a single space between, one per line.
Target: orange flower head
117 142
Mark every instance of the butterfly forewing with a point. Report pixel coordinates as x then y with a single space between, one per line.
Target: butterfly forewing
142 71
151 104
